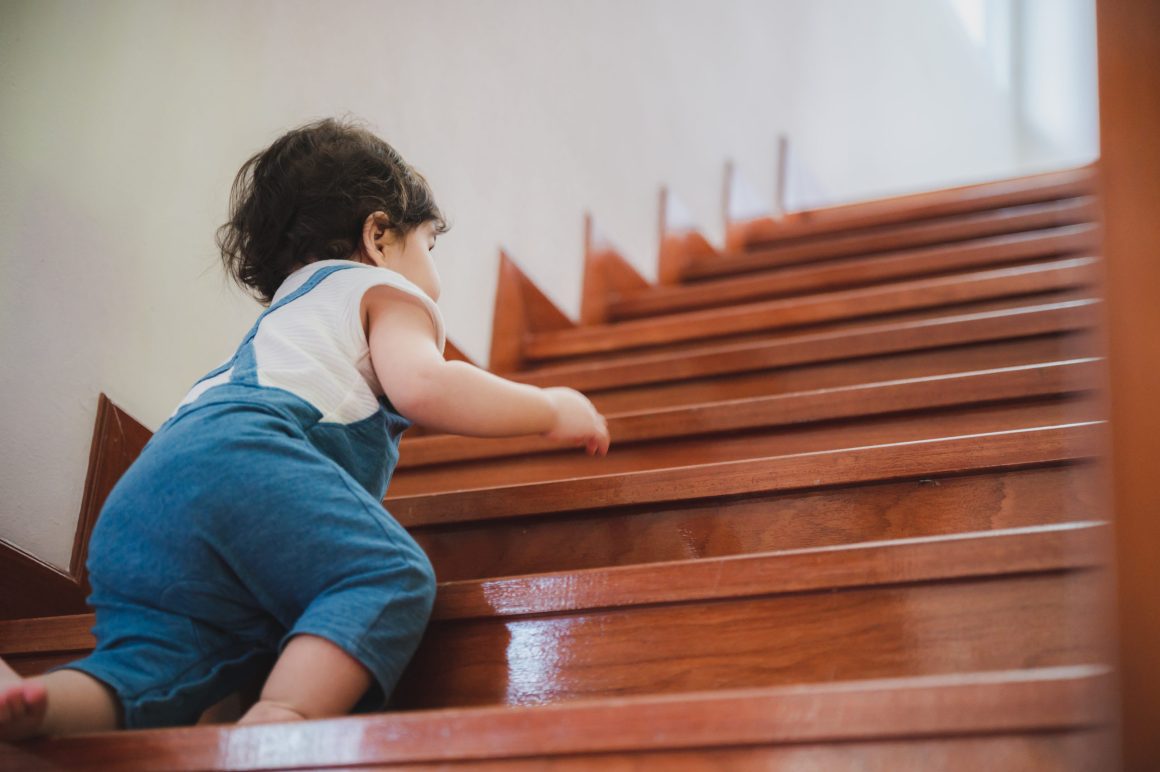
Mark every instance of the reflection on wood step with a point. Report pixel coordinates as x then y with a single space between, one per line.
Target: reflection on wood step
860 400
919 458
813 309
1049 617
886 238
697 451
854 272
928 506
866 564
938 361
1047 703
868 340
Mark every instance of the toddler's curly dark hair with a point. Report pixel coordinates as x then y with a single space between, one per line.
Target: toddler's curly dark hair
305 198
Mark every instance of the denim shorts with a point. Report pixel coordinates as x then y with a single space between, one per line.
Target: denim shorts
229 535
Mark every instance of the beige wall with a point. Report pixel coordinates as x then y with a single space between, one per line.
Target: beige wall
122 124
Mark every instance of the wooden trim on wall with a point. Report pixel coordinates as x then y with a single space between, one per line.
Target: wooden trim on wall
34 588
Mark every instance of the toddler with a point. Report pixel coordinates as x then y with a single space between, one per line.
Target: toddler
249 537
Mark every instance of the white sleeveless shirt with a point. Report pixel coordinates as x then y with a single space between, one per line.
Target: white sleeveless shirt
315 347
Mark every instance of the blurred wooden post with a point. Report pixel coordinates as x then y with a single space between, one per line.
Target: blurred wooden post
1129 84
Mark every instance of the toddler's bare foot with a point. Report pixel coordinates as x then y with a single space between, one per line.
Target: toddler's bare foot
22 708
265 712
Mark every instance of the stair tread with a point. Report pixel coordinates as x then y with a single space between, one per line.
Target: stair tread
822 220
988 553
872 338
1022 446
877 239
975 703
849 272
811 309
855 400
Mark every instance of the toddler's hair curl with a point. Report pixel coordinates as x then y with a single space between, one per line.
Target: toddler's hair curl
305 198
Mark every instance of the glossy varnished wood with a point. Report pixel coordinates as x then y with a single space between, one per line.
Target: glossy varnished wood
870 339
853 272
1029 620
865 564
885 238
861 400
828 220
977 704
936 505
813 309
520 309
920 458
698 451
935 361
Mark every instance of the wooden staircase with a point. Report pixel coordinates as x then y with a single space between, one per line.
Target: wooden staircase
852 518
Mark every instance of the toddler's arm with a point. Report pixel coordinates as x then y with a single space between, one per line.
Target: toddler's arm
457 397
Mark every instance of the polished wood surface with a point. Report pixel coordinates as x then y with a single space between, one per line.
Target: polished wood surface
886 238
924 628
927 558
694 452
1129 87
1031 701
1066 183
869 369
861 400
867 340
853 271
917 458
626 536
814 309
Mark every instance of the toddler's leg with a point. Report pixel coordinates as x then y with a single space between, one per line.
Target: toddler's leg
59 703
312 678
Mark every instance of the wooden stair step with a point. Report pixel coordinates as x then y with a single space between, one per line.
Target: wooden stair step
870 511
834 328
828 220
1070 545
844 273
904 235
1029 715
890 461
933 361
813 309
697 451
868 340
859 400
920 607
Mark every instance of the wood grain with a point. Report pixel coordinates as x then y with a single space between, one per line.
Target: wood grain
933 707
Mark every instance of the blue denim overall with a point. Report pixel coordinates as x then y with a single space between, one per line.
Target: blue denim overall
246 521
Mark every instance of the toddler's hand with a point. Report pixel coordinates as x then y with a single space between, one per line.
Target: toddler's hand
577 421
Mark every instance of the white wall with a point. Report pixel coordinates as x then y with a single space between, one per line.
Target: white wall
123 123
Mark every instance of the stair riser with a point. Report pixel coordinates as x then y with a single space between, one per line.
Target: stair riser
700 450
855 272
1020 621
633 536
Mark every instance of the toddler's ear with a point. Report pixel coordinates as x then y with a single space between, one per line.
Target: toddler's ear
376 232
